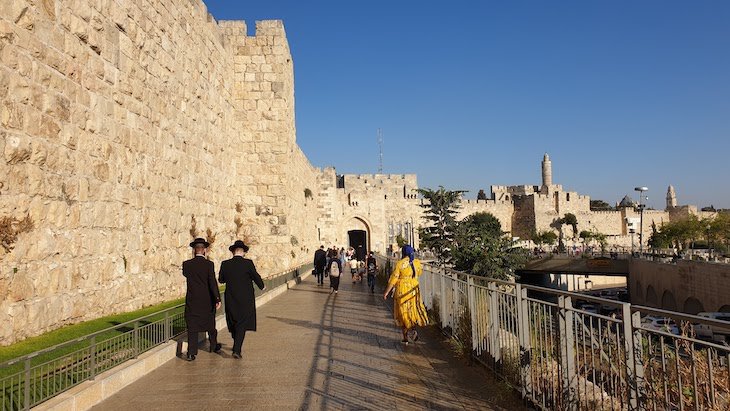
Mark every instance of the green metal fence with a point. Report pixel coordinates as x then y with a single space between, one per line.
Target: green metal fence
31 379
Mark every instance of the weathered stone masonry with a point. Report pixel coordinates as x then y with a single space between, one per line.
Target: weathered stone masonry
122 122
127 126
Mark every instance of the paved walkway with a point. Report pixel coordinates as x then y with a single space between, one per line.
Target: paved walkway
320 351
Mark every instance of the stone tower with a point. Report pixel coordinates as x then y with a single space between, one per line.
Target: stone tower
671 198
547 171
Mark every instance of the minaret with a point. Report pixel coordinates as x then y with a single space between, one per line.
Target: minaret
547 171
671 198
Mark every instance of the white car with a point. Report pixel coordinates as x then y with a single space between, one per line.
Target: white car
667 325
713 332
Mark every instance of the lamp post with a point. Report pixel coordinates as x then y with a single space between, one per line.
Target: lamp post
709 250
642 197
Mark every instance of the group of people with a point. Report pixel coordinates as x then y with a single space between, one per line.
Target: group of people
203 299
408 309
330 264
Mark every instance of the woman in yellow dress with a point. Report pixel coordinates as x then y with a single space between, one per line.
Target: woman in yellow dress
408 308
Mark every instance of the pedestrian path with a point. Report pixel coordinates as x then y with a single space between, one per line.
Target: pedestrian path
320 351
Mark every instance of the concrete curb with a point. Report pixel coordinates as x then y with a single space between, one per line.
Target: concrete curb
90 393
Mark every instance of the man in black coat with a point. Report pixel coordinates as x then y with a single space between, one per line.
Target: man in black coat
238 274
320 262
202 298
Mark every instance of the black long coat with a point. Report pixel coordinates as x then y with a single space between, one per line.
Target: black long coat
239 274
320 260
202 294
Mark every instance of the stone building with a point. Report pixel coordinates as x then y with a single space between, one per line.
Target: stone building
526 209
127 128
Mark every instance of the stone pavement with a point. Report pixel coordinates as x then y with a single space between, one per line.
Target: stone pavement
320 351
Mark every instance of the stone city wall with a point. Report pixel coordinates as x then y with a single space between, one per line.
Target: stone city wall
502 209
688 286
125 127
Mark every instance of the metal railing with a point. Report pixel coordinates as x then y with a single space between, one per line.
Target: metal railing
33 378
566 350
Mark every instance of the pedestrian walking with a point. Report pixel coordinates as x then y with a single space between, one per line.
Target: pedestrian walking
408 308
372 269
334 269
202 298
320 262
353 268
239 274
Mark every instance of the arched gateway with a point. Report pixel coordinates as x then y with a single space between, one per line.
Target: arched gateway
358 235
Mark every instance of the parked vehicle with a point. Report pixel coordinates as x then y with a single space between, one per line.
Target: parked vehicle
668 325
713 332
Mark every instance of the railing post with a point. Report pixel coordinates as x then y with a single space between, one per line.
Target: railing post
442 302
495 350
135 337
168 327
471 298
523 324
632 346
454 303
567 350
26 385
92 358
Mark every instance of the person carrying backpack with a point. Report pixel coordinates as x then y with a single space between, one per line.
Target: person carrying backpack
371 265
334 269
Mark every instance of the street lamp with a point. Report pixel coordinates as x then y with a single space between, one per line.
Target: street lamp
642 197
709 250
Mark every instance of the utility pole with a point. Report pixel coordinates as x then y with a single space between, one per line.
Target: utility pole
380 148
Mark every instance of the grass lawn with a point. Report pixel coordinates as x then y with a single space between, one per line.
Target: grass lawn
71 332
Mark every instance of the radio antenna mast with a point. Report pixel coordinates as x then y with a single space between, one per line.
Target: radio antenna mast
380 147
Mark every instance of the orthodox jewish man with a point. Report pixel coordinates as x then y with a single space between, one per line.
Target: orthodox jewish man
202 298
239 274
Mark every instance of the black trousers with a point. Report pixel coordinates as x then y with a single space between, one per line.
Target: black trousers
335 282
319 273
238 335
193 340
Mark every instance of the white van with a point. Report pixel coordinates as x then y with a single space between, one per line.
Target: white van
713 332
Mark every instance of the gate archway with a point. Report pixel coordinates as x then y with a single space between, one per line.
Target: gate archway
358 236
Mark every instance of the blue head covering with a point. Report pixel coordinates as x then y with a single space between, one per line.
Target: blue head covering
408 251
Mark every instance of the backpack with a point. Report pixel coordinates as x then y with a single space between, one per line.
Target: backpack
334 269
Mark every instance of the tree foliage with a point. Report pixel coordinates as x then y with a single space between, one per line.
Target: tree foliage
682 234
544 237
591 236
440 209
481 248
571 220
481 195
600 205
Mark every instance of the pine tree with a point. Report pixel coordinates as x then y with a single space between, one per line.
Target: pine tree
441 209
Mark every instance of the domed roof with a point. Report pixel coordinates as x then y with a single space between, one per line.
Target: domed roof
626 202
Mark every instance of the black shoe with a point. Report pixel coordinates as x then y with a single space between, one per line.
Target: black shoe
237 356
190 358
217 348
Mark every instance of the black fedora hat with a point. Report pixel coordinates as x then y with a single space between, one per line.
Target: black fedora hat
200 241
238 244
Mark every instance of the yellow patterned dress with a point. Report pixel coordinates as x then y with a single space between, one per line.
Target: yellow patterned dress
408 308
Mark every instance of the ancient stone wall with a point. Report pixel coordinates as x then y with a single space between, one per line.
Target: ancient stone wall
502 209
681 286
126 128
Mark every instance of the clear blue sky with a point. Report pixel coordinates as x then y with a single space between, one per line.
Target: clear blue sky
472 93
